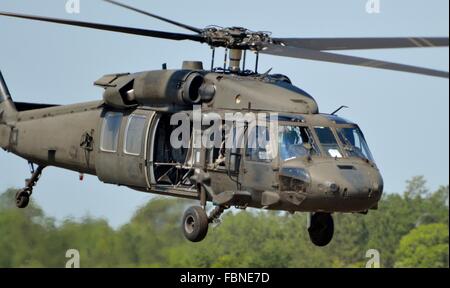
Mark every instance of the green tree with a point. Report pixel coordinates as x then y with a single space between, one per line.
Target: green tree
399 214
23 233
426 246
93 238
154 229
416 187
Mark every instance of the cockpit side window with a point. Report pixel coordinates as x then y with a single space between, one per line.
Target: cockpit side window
354 142
295 141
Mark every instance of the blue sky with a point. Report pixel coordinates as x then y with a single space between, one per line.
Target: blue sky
404 116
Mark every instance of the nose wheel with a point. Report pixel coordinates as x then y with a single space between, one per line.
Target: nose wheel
321 229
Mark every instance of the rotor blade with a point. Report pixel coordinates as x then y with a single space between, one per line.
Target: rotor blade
120 29
308 54
362 43
191 28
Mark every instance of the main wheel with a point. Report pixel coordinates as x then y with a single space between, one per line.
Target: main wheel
321 229
195 224
22 199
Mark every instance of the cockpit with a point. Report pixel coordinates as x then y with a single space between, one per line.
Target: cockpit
341 139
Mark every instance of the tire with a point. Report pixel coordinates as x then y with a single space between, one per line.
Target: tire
322 229
22 199
195 224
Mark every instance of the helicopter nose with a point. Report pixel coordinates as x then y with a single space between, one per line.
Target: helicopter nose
353 186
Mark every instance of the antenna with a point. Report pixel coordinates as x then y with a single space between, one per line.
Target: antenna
339 109
213 57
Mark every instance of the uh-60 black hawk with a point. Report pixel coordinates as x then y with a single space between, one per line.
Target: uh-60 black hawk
323 163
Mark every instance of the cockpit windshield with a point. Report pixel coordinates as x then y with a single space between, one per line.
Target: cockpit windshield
328 142
354 142
296 141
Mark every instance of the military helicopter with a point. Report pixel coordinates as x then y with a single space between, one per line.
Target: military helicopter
322 166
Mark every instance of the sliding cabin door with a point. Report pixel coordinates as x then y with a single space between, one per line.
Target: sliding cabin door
122 152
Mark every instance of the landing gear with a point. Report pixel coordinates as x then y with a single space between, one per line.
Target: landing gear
321 229
22 198
196 222
23 195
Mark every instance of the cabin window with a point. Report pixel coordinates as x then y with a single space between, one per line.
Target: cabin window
110 132
134 134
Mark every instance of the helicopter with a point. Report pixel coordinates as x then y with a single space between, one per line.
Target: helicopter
308 162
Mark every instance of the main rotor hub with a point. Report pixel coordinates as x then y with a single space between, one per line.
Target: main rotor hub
236 38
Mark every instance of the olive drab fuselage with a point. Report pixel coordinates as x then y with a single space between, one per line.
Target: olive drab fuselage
70 137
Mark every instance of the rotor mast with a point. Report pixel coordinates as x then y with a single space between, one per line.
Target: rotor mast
237 41
235 60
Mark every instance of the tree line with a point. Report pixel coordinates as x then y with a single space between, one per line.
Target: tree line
410 229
